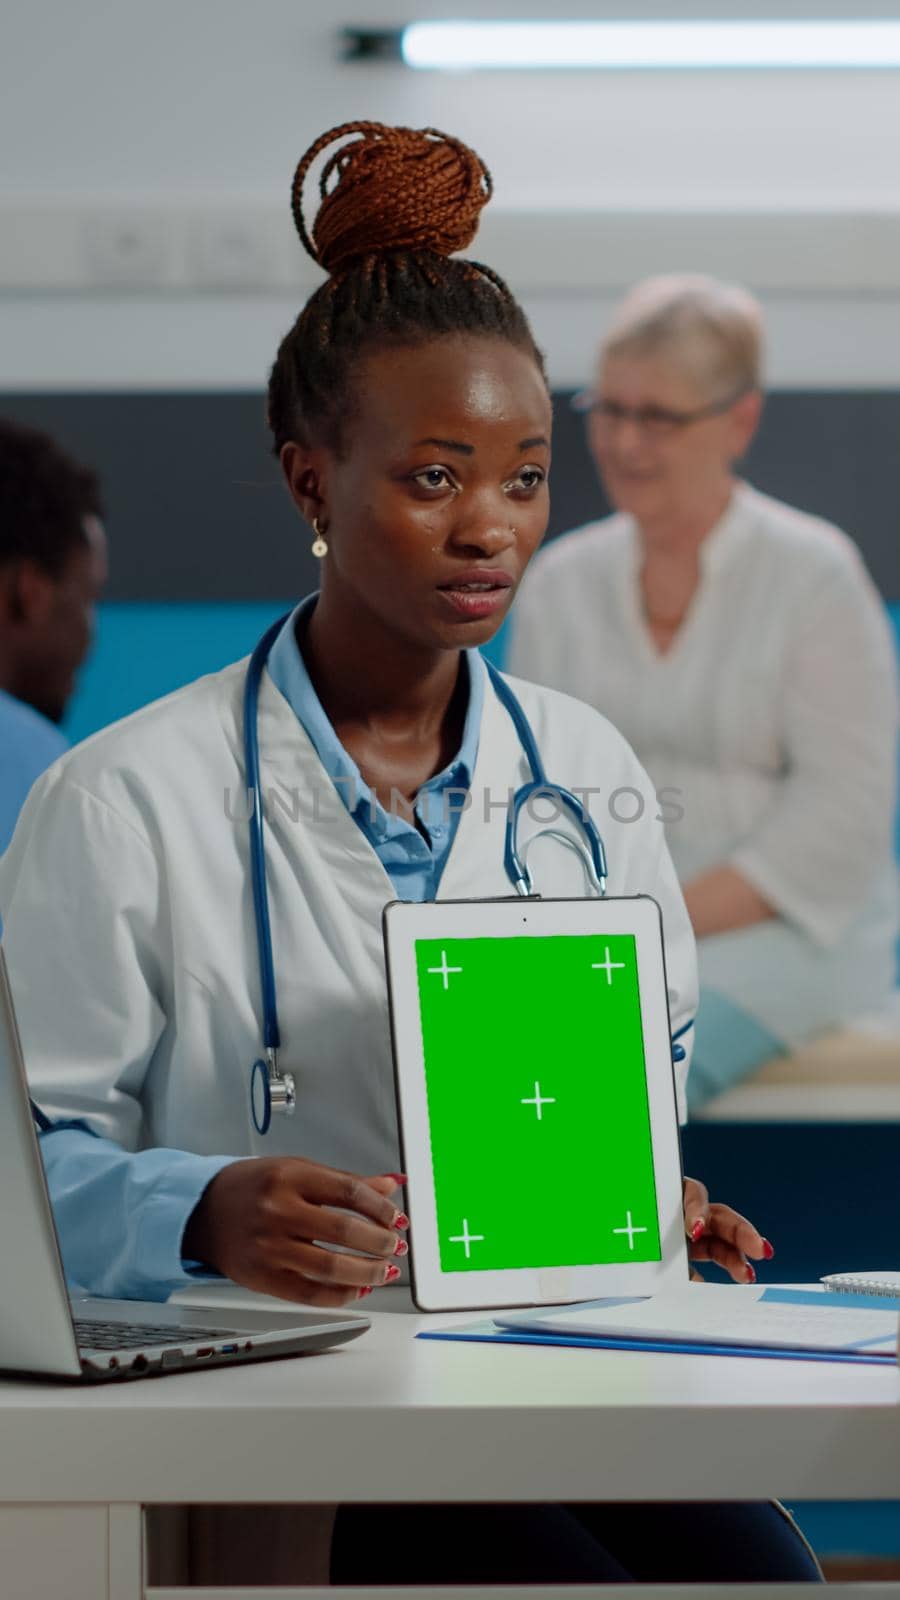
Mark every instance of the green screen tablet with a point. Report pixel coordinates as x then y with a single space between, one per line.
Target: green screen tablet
537 1104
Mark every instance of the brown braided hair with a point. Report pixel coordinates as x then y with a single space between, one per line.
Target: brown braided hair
395 204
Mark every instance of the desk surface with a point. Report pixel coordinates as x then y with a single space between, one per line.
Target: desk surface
395 1418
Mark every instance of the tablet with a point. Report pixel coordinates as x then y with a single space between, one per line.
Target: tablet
536 1096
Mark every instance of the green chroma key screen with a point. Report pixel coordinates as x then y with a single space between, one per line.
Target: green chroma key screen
537 1101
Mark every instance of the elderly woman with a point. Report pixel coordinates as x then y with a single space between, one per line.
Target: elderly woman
742 648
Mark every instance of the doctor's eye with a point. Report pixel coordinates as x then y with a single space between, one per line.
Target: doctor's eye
528 480
433 478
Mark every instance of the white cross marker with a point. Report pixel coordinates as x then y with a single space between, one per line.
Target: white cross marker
466 1238
537 1101
607 966
630 1230
444 970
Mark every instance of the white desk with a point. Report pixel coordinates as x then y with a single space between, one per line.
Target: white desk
436 1421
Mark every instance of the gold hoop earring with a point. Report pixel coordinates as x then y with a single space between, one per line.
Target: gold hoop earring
320 543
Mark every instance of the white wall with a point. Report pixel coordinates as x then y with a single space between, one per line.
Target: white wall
210 97
186 118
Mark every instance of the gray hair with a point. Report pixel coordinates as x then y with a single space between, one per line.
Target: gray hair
715 329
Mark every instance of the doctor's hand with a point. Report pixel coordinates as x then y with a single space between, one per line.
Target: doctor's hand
716 1233
263 1222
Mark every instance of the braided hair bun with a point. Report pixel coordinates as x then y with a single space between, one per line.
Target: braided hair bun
390 189
395 206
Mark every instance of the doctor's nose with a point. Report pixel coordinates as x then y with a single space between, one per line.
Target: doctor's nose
488 535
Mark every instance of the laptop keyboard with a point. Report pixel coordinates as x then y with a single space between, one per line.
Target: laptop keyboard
131 1336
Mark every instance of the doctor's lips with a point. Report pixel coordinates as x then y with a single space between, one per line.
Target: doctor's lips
476 592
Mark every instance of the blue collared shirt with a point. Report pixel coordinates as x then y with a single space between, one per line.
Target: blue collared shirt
121 1215
413 859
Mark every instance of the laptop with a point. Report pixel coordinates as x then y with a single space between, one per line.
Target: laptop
43 1331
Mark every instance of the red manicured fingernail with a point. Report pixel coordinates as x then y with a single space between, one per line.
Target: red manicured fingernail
750 1275
697 1229
401 1220
367 1290
401 1248
391 1274
399 1178
768 1250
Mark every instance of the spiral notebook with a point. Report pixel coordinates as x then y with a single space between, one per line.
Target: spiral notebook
880 1283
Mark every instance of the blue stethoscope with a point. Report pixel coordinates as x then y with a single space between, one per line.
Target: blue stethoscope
272 1090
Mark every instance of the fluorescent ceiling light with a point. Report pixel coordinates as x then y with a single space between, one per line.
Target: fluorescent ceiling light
449 45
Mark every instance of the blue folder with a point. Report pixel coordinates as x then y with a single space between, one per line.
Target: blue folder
487 1332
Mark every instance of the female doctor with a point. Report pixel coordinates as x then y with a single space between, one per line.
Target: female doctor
411 417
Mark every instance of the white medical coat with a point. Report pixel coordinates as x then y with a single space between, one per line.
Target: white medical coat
130 935
771 722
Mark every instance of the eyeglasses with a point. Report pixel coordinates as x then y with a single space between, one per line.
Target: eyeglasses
657 422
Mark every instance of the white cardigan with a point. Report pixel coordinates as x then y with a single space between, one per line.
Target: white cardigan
774 718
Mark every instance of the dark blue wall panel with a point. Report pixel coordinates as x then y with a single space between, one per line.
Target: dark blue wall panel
197 510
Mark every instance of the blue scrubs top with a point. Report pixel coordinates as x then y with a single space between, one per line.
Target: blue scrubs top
413 858
29 743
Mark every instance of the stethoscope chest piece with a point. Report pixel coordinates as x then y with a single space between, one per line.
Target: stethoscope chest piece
270 1089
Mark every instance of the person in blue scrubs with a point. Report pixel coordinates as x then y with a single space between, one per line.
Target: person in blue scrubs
52 569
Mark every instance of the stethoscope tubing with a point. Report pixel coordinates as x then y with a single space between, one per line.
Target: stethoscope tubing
270 1087
267 1084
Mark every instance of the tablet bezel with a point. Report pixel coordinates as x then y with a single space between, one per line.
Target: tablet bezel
404 922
